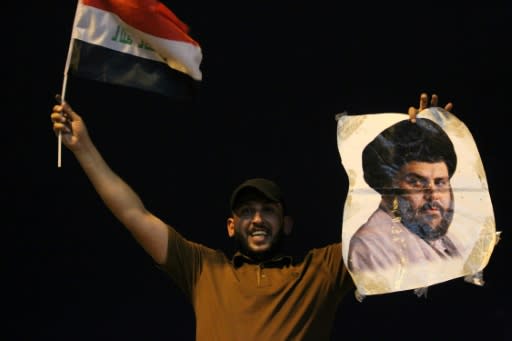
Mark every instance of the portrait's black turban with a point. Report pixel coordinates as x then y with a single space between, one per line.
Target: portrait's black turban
423 141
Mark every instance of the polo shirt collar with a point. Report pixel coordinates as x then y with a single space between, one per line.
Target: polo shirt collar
279 260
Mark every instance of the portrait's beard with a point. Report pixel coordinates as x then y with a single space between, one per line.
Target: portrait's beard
276 247
419 222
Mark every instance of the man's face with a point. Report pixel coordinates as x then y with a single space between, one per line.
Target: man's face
257 225
426 200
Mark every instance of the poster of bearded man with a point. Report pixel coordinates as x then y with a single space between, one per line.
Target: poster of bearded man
418 210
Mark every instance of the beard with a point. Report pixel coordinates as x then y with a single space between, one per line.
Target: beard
417 221
275 248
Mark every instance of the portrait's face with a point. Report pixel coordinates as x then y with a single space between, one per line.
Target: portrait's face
426 198
257 226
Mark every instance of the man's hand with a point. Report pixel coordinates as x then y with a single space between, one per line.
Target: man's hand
69 124
413 111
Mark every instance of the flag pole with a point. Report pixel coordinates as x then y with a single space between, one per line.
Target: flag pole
64 84
60 99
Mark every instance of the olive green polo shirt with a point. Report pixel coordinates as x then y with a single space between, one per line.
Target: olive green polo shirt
239 299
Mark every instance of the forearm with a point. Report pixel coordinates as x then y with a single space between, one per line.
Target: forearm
114 191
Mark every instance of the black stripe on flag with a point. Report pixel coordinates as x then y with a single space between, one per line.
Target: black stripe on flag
109 66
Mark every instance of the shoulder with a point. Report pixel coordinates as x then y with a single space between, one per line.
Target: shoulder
377 228
328 256
329 249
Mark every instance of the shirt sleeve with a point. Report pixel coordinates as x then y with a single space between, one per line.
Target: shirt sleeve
184 261
342 280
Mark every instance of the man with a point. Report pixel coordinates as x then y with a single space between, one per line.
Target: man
261 293
410 164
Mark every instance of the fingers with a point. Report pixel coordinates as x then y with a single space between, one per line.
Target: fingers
423 101
62 115
434 100
412 114
65 107
61 123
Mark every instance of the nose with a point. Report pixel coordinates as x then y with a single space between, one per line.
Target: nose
430 191
256 217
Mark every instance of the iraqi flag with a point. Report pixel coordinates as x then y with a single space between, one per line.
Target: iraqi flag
134 43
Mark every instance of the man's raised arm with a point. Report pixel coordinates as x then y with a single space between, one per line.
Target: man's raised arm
149 231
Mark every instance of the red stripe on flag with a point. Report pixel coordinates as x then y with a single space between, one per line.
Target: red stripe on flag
149 16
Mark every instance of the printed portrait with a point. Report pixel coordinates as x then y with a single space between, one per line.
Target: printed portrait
418 210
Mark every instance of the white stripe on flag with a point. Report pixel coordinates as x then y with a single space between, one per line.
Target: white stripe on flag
106 29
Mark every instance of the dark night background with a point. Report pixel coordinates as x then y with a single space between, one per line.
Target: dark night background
275 76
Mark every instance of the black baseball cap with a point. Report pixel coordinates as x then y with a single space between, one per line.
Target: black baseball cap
266 187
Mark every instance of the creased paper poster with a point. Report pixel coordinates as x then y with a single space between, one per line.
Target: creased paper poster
418 210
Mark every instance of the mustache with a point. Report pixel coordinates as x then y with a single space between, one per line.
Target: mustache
259 227
431 205
435 205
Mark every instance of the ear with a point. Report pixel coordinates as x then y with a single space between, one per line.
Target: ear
388 200
287 225
230 224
